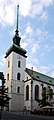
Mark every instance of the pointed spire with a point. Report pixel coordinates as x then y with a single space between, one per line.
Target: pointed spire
16 39
17 22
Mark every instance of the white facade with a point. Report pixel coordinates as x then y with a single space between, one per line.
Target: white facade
15 86
27 103
31 102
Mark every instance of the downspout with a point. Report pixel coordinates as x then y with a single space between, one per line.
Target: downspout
31 87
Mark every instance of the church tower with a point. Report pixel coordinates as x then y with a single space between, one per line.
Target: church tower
15 72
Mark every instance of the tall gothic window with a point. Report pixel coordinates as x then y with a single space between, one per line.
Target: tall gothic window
44 93
7 89
8 63
8 76
19 64
18 76
36 92
51 93
27 92
18 89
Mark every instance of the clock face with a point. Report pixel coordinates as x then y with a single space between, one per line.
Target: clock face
19 57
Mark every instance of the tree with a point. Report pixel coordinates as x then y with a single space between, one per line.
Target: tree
46 96
4 98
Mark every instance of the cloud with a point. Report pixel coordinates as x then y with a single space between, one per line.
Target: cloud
8 8
41 33
29 30
9 16
24 45
25 7
36 9
49 48
27 34
32 59
52 74
2 63
46 70
44 15
35 48
2 60
29 65
46 2
43 69
23 36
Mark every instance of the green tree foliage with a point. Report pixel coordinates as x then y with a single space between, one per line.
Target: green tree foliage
4 99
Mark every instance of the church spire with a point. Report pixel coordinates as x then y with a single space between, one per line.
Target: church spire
17 21
16 39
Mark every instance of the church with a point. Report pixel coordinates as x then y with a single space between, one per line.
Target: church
25 86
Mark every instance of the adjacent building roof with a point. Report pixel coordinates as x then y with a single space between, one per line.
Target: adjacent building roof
40 77
16 49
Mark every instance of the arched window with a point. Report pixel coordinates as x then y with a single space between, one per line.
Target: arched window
18 76
36 92
27 92
8 63
51 93
44 93
8 76
18 89
7 89
19 64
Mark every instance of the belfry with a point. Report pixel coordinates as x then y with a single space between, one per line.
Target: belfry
15 71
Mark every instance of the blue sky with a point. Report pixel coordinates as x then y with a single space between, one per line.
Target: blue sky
36 29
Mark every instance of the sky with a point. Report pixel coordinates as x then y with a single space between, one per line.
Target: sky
36 29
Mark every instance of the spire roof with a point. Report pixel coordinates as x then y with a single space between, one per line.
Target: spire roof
17 21
16 39
15 47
